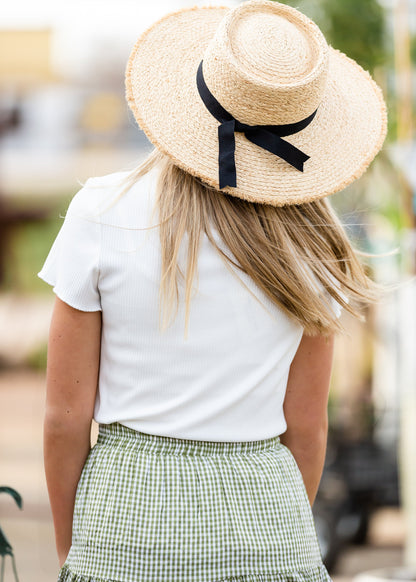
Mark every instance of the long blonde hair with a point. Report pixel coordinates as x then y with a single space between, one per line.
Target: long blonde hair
298 255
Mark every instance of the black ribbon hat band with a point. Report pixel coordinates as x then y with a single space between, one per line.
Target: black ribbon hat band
267 137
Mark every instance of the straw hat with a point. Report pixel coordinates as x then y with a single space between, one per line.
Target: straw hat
199 77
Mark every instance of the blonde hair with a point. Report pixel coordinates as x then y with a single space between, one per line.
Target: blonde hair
298 255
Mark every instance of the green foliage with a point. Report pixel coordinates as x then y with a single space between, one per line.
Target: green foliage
413 48
5 547
27 249
355 27
36 360
13 493
311 8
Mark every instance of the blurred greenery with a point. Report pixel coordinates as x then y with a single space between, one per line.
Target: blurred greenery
366 38
36 360
374 211
27 248
355 27
413 48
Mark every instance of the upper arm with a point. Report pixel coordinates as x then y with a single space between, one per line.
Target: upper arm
306 400
73 362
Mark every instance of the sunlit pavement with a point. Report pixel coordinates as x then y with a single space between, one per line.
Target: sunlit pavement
30 531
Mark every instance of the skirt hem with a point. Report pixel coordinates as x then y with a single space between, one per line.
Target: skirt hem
318 573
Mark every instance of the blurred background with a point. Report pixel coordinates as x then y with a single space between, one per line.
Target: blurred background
63 118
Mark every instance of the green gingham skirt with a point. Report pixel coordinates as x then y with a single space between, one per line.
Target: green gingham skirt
160 509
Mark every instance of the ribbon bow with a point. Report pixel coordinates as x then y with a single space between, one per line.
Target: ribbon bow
268 137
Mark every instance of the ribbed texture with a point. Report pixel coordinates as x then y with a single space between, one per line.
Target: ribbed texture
156 508
226 381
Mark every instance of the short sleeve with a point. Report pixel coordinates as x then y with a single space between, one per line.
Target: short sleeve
335 306
317 287
72 265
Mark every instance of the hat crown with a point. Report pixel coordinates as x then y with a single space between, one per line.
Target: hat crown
267 64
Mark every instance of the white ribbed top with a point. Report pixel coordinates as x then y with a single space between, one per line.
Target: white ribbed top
226 381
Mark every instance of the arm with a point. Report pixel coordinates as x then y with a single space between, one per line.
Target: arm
71 383
305 408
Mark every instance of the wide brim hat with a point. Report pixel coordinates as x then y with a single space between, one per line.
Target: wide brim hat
264 64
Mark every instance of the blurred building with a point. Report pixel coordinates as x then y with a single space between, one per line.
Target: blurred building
62 66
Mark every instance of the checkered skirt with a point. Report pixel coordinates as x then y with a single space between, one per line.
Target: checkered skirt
160 509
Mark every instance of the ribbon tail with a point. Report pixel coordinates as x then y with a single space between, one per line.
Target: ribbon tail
226 154
278 146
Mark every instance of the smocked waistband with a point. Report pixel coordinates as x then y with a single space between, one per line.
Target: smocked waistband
120 435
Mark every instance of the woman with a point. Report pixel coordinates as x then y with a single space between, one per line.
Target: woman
197 302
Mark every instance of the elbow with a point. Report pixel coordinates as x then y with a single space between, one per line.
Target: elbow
67 431
65 421
319 426
308 433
